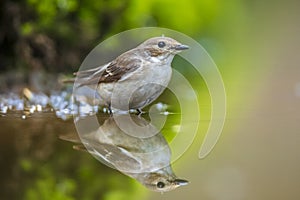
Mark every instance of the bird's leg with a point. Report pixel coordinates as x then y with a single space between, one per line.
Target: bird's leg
139 111
109 109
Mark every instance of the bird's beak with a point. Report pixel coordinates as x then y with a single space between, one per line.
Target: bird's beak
181 47
181 182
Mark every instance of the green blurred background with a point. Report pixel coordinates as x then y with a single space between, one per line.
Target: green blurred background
255 44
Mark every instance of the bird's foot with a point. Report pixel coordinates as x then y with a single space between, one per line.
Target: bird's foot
140 111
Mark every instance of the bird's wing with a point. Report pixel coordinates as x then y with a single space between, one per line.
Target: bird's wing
111 72
90 76
113 156
90 72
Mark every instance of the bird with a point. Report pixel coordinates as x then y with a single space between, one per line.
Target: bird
146 159
134 79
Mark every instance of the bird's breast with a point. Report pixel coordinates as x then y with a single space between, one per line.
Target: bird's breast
139 88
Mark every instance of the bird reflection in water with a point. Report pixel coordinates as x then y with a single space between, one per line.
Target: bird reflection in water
146 158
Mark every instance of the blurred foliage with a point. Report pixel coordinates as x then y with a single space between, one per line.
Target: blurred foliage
55 35
63 181
35 164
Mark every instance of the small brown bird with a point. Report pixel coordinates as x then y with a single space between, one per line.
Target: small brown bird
135 78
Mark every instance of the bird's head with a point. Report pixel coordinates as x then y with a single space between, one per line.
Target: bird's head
161 48
163 180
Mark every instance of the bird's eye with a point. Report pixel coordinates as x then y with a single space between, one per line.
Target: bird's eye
160 185
161 44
